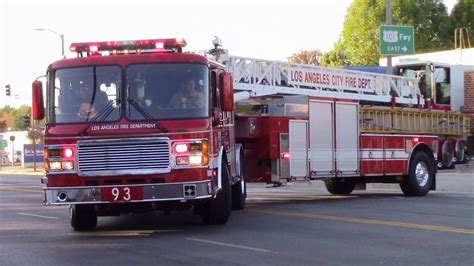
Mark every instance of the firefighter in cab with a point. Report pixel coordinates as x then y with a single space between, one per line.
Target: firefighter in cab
188 97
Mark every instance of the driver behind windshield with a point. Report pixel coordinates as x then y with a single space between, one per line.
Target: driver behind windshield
188 96
90 101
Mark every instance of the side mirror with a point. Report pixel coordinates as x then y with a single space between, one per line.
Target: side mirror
37 105
227 91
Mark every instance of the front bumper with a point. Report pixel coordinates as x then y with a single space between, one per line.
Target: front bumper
127 193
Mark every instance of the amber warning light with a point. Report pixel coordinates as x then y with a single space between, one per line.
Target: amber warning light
132 45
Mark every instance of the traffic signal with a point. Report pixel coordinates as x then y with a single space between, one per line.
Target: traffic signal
26 121
8 90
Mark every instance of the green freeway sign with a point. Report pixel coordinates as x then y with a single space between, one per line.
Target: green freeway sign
397 40
3 143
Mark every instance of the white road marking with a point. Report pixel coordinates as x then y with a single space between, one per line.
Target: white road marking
39 216
228 245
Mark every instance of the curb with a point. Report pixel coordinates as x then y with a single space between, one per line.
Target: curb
20 171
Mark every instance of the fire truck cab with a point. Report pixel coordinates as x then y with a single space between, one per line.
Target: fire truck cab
136 126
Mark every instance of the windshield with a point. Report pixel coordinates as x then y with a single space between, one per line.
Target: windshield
167 91
85 94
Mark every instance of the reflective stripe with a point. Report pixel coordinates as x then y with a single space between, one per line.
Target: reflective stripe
396 154
378 154
371 154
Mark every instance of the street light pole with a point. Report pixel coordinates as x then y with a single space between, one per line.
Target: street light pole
60 36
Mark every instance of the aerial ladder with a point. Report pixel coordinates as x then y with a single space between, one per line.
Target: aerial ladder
389 104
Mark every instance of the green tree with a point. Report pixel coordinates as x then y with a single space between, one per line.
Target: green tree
336 57
360 32
360 35
309 57
6 117
462 15
14 117
21 112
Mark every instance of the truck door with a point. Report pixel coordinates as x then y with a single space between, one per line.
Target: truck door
298 146
347 138
223 122
321 127
334 138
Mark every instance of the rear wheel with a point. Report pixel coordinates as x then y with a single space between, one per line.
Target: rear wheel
83 217
447 155
339 186
217 209
239 189
460 152
420 176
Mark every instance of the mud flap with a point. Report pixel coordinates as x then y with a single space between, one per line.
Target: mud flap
433 184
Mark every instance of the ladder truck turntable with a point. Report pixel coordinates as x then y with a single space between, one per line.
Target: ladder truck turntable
260 120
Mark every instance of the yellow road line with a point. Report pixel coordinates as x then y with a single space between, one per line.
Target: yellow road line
119 233
21 189
364 221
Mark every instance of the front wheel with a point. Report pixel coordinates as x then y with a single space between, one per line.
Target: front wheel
217 209
420 177
339 186
83 217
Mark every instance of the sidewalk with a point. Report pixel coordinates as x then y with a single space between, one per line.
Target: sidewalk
461 168
19 170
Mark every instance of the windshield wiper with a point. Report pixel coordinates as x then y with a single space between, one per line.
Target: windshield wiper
104 112
145 114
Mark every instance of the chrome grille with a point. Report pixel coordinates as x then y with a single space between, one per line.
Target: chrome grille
130 156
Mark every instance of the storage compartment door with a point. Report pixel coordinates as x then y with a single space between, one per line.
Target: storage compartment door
298 131
347 138
321 154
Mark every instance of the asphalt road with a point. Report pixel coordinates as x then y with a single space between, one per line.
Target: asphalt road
300 224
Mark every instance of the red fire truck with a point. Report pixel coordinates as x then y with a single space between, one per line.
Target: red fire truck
139 125
136 126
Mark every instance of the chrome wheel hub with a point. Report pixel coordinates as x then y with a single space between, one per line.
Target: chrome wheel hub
421 173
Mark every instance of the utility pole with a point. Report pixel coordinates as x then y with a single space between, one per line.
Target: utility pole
388 21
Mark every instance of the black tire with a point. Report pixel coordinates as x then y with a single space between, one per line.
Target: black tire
339 186
217 210
452 166
239 189
460 152
420 176
83 217
447 155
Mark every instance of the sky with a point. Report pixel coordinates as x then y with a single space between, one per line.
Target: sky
267 29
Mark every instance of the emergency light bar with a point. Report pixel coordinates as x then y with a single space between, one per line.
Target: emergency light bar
132 45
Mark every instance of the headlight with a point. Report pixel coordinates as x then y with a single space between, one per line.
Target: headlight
59 158
190 153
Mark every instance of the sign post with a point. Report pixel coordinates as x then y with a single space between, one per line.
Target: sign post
3 145
397 40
